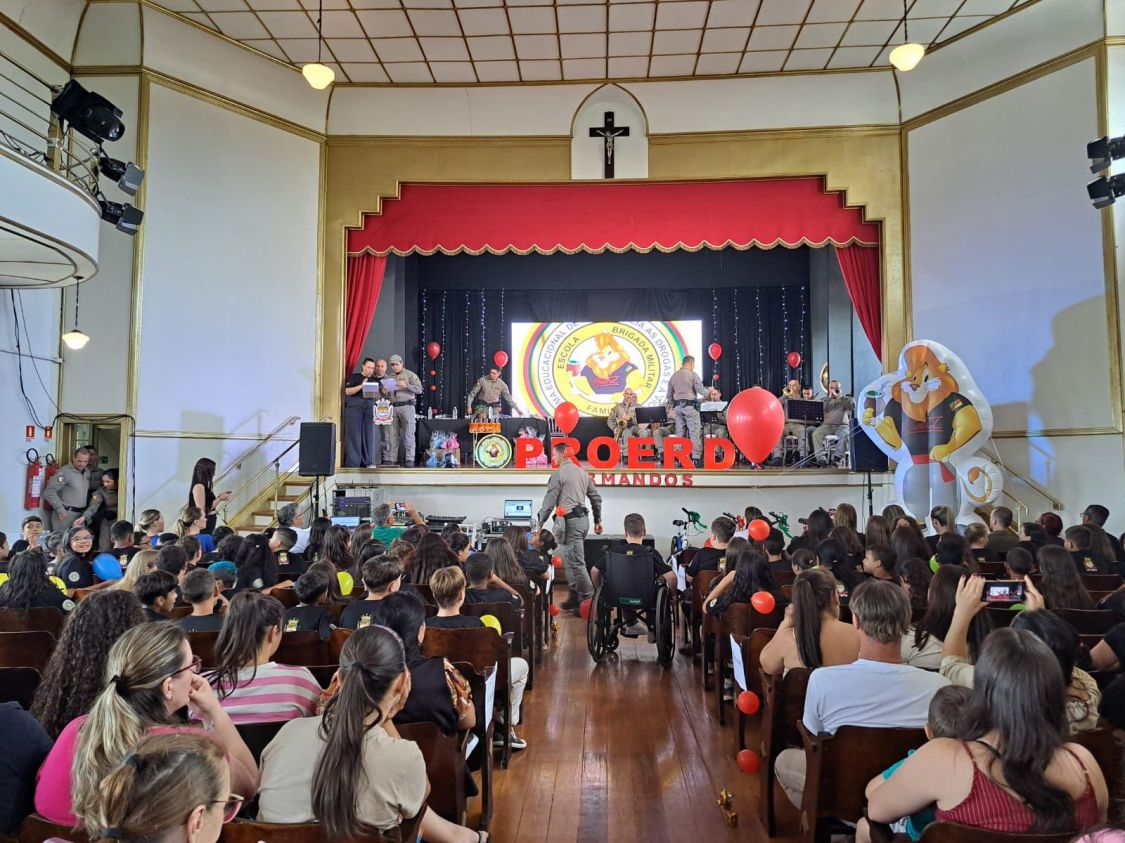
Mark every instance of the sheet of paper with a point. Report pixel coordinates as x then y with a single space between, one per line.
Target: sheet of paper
490 696
739 667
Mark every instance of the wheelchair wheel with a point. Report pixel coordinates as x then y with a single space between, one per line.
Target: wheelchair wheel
597 626
665 635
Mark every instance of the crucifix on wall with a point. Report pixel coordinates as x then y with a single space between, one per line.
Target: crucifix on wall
608 132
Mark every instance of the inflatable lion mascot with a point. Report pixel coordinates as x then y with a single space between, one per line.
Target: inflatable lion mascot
931 419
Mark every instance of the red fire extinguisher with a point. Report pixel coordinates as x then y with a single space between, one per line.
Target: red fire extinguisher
39 474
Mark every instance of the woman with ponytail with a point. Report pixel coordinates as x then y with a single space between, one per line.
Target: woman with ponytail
365 775
191 522
151 676
170 787
812 634
253 687
1014 772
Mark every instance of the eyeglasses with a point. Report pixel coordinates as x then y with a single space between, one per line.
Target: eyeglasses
81 539
231 806
195 667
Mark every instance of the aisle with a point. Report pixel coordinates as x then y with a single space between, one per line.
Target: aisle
624 751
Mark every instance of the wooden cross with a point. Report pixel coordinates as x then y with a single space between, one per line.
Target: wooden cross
608 131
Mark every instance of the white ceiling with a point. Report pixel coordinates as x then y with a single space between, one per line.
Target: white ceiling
475 41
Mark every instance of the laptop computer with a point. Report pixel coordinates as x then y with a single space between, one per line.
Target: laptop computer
518 512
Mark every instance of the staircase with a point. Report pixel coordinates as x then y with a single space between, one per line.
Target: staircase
290 489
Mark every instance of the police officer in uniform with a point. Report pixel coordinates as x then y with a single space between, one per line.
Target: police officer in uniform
793 390
836 406
68 491
487 392
568 489
359 427
684 391
402 398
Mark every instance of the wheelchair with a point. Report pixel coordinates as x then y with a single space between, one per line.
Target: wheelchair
627 586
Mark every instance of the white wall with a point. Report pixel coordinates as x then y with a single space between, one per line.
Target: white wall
630 153
228 298
53 22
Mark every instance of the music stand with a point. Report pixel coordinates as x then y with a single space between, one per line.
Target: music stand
652 415
805 411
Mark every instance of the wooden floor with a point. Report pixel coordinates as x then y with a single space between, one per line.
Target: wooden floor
627 750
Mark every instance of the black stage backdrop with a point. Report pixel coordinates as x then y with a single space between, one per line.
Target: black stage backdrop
755 303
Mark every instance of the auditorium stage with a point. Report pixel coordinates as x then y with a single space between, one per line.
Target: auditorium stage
479 493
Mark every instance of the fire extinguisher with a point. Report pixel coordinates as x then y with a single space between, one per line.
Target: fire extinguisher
39 474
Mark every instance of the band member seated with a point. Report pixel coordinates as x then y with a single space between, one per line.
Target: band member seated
622 418
793 390
836 406
716 427
487 393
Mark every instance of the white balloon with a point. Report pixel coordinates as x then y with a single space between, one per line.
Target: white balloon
930 417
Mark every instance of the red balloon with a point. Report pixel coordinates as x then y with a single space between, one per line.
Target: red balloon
755 421
560 511
763 602
715 351
433 350
794 358
500 358
584 608
749 703
748 761
557 561
759 530
433 388
566 417
554 610
433 372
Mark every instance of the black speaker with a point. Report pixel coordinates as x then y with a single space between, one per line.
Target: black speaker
317 449
865 455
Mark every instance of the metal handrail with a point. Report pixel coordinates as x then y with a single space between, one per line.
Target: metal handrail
237 464
995 458
275 465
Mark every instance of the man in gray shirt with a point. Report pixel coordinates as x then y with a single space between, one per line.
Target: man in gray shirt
402 405
836 406
488 391
67 491
684 391
567 491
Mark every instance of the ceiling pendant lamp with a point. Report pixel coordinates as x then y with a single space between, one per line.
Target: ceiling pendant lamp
320 76
74 338
906 56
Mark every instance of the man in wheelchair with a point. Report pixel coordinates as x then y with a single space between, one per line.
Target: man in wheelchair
628 578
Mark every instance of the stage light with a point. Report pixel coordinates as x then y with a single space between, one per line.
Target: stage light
128 176
317 74
124 216
1104 151
89 114
907 55
74 338
1104 191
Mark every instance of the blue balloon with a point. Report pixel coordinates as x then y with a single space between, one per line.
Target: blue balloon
106 567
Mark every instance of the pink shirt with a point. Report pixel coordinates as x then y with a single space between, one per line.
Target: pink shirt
52 786
278 692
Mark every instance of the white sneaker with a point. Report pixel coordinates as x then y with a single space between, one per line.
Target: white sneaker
635 630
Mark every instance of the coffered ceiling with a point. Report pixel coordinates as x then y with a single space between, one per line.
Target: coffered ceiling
511 41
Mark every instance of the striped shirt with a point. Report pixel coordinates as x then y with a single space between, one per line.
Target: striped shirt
277 692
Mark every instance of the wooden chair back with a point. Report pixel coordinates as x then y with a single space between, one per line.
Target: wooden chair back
783 704
287 596
336 642
28 620
784 577
247 831
757 642
482 648
1101 582
36 829
1107 750
425 592
743 618
180 612
257 736
992 569
81 594
203 644
864 752
32 648
304 647
700 587
18 684
1089 621
999 617
445 767
483 730
946 832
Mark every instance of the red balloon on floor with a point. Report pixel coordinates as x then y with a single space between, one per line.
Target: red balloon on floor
748 761
763 602
749 703
759 530
554 610
584 608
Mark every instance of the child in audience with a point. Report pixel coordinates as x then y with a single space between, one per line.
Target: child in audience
948 718
802 560
201 590
484 585
157 592
381 576
31 532
312 612
173 559
879 562
448 588
250 685
143 562
124 548
194 551
281 544
335 595
136 804
459 544
28 587
976 537
257 567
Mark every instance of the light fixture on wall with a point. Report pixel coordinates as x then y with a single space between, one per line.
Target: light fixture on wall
318 75
74 338
906 56
1103 152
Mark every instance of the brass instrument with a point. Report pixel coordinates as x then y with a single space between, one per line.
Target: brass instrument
623 422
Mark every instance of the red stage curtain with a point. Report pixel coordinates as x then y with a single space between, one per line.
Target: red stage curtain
860 267
365 278
595 217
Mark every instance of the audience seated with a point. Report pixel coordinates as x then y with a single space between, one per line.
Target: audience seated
811 635
485 586
202 591
1094 517
830 555
31 532
257 567
251 686
315 544
714 557
192 521
876 690
26 744
382 576
915 575
976 537
942 520
157 592
748 572
433 555
1079 541
505 564
448 588
461 546
152 522
77 568
923 646
173 558
364 774
311 612
1062 585
850 541
1011 771
151 677
879 562
121 542
803 560
1001 537
534 564
75 674
1052 526
877 531
817 527
774 548
29 587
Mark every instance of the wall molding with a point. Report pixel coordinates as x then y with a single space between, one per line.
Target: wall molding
36 43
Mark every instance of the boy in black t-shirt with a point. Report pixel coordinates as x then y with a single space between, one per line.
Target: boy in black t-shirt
312 594
484 585
1079 542
774 546
448 587
714 557
381 576
201 590
157 592
289 565
121 534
